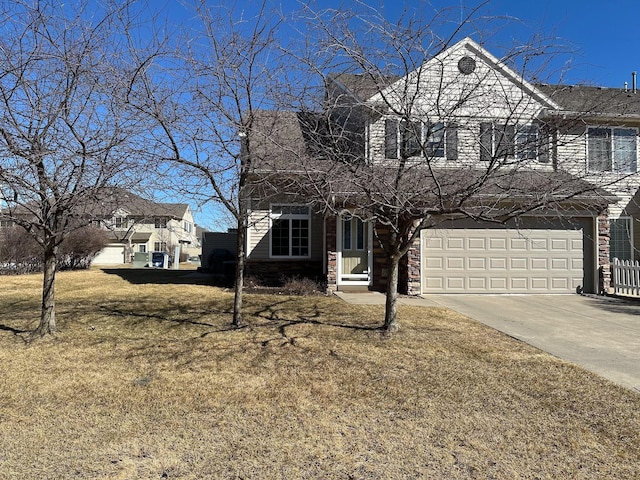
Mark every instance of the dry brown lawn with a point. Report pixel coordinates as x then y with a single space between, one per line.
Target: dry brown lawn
146 380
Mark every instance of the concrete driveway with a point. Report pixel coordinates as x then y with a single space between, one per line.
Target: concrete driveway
601 334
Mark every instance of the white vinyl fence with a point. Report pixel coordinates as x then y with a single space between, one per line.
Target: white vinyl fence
625 276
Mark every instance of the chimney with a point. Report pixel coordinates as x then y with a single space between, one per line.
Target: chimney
633 82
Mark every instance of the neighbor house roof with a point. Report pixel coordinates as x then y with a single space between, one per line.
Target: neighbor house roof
596 101
115 198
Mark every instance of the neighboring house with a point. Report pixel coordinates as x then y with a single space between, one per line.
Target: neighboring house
572 135
140 225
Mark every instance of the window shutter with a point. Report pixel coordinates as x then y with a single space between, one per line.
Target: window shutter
544 142
505 141
486 141
391 138
451 141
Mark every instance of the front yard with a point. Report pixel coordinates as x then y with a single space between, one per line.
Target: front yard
147 380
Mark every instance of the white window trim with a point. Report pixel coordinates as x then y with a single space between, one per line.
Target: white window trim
293 216
612 128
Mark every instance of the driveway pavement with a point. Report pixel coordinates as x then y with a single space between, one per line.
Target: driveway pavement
601 334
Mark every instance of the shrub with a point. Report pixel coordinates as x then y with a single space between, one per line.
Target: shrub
81 247
301 286
20 253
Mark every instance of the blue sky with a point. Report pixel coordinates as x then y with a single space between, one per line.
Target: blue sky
604 34
601 35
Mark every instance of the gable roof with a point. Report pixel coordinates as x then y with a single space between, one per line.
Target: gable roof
114 198
451 55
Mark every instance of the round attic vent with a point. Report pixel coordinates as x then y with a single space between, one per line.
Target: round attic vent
466 65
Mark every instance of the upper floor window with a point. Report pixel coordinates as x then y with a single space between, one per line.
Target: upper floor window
290 230
405 139
512 142
6 223
120 222
187 226
161 222
612 149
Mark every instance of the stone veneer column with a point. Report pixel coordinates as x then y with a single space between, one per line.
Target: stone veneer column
604 265
413 268
332 255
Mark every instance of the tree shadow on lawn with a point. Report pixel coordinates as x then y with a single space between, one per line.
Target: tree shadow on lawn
261 313
139 276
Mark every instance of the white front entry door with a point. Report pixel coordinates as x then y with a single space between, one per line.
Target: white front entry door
354 251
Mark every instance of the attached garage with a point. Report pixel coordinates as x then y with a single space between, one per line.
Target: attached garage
535 256
110 255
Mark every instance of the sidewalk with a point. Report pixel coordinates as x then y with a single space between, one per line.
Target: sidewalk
377 298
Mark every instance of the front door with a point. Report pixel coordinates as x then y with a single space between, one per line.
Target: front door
354 248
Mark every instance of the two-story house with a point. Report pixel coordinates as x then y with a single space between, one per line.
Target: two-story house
533 188
136 224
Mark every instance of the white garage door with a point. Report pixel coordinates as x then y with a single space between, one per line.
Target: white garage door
110 255
501 261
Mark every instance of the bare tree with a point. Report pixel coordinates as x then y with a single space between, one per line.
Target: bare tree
229 70
407 139
66 129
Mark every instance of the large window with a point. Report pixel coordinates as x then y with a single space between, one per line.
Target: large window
512 142
413 139
620 244
612 149
290 235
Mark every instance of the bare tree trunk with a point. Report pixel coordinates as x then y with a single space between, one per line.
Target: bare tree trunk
47 324
391 305
240 261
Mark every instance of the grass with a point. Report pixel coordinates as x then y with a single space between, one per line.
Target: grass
146 380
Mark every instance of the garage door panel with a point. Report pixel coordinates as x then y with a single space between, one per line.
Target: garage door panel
477 263
455 283
512 261
518 244
455 263
539 264
476 243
